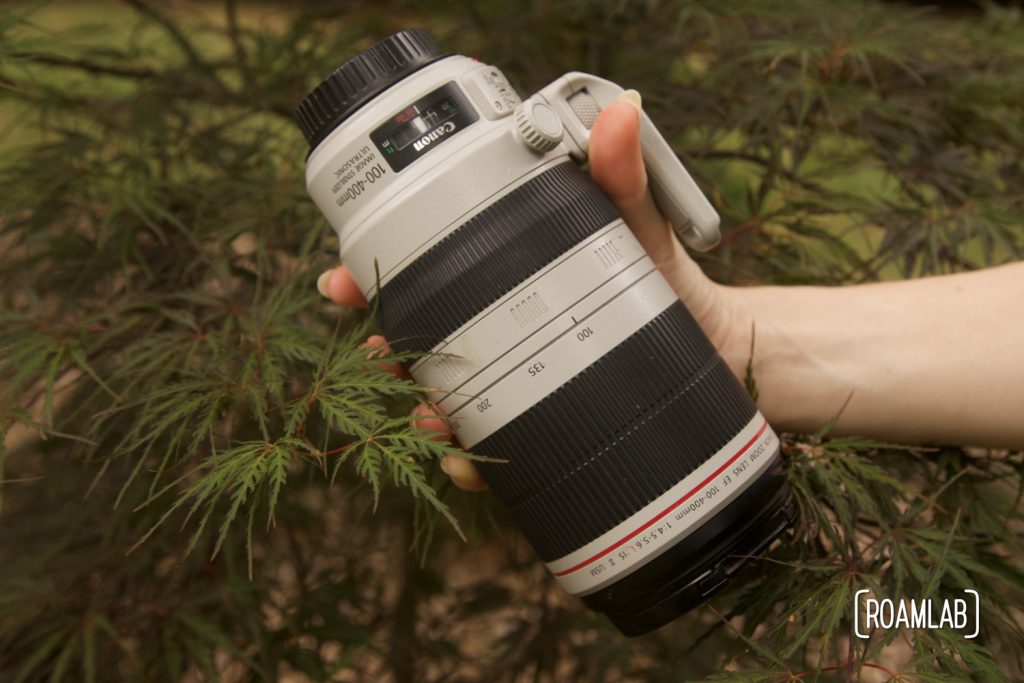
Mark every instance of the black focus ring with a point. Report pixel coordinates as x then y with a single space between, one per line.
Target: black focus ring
487 256
617 435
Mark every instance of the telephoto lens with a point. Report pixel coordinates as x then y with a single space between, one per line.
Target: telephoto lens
635 463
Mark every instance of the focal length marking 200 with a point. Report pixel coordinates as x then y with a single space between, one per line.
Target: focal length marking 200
637 466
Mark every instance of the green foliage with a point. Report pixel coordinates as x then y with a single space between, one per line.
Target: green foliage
205 478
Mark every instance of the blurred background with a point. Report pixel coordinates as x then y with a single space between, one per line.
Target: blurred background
200 478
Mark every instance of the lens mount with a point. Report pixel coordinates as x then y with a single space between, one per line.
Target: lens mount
362 78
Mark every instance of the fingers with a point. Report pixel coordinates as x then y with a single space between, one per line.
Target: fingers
617 165
463 472
376 347
337 285
429 418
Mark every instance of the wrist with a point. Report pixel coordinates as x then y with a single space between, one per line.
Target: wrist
736 328
787 339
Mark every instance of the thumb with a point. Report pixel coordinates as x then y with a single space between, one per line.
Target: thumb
617 165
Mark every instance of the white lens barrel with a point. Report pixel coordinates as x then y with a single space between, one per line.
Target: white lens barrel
633 460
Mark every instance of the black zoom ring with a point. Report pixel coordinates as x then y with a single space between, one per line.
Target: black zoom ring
489 255
617 435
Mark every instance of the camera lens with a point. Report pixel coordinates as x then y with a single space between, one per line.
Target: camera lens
633 460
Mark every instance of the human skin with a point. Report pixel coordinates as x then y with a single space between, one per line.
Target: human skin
931 360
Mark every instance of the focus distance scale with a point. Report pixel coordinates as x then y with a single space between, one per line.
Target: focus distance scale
635 463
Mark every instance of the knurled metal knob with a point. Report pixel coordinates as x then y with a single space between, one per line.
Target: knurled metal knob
538 125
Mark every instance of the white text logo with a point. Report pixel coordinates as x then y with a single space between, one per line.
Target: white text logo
871 613
444 129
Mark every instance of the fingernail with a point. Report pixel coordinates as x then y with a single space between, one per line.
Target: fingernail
631 97
321 283
444 467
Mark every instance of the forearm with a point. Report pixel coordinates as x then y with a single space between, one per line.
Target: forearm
933 360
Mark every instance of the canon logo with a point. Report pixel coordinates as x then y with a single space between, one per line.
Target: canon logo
440 131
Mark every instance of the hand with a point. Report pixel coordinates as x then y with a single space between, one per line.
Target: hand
617 166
